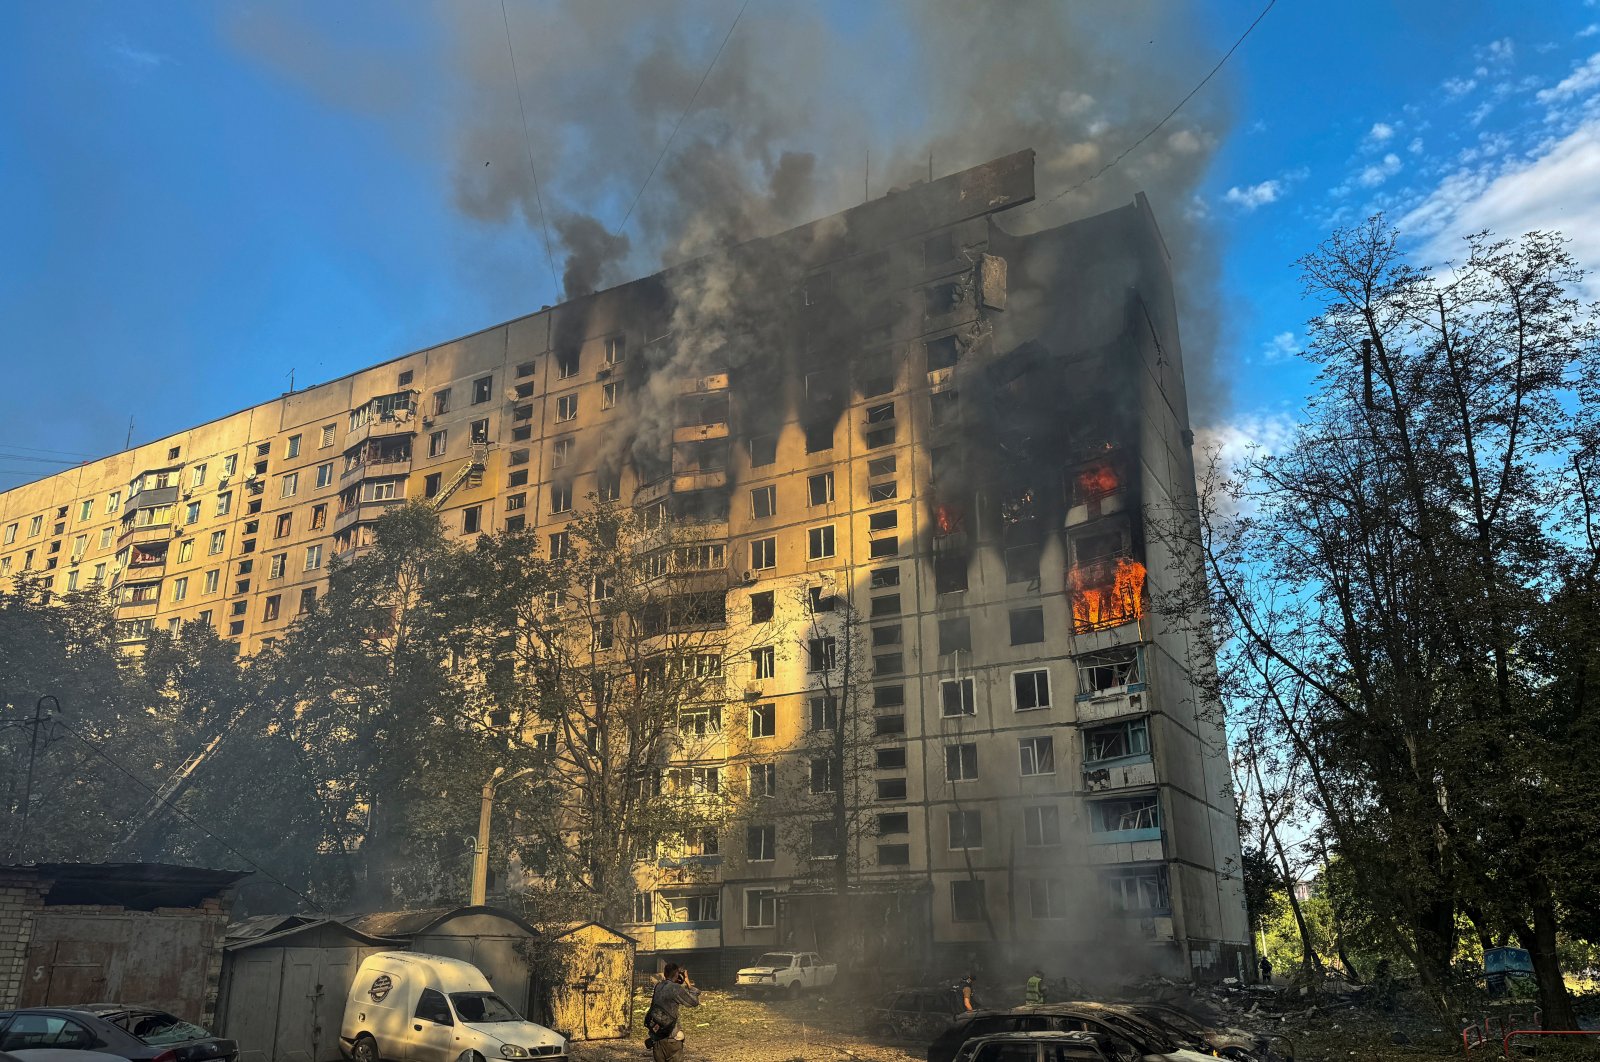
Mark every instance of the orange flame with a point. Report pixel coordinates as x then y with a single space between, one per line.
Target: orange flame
948 519
1097 481
1103 596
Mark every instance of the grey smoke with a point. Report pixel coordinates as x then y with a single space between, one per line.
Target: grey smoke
594 255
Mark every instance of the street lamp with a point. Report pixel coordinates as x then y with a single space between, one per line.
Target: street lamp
480 852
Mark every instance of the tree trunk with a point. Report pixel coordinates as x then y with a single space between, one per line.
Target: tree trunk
1540 940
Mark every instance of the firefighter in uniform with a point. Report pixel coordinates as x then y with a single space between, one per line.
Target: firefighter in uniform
1034 993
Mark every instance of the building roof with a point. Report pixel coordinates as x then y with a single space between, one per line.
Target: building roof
137 886
299 928
406 924
557 930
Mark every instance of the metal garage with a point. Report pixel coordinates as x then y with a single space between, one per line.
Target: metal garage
283 991
494 940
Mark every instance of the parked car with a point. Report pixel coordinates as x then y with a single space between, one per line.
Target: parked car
787 971
1034 1047
140 1034
1126 1038
424 1008
58 1054
1231 1042
916 1014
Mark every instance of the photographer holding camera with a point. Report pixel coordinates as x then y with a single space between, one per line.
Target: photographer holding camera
662 1035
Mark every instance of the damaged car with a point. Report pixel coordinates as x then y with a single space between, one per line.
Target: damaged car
1124 1037
1224 1041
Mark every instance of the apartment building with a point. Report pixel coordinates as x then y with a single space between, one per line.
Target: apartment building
958 434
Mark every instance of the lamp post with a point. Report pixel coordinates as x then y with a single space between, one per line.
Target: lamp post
480 851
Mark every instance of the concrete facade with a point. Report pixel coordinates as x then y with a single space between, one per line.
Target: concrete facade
960 431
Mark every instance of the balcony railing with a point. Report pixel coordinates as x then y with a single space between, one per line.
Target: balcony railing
137 533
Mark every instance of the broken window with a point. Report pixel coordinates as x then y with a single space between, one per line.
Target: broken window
819 601
881 413
270 611
763 720
824 713
943 407
482 389
881 437
478 431
821 776
616 349
761 607
887 520
761 843
950 572
1027 625
763 450
824 840
819 437
942 353
878 492
1138 890
700 722
938 249
763 501
1124 740
431 484
566 364
941 298
763 779
886 546
821 654
1108 672
884 577
887 635
567 408
1031 689
961 762
1022 563
1041 826
955 635
958 697
763 662
1141 812
888 664
966 829
471 519
560 498
1037 755
819 489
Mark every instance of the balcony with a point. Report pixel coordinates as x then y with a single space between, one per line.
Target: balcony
376 469
151 497
364 512
700 432
135 534
1123 772
701 479
716 381
403 420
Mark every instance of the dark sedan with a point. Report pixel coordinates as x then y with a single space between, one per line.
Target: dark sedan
139 1034
1126 1038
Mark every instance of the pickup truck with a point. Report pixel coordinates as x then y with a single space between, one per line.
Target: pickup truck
791 972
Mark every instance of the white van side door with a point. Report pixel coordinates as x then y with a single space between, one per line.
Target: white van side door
432 1032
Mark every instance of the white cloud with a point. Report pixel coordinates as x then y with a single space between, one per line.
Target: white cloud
1502 50
1380 132
1256 195
1377 173
1555 191
1415 147
1281 347
1580 82
1459 86
1589 31
1247 435
135 60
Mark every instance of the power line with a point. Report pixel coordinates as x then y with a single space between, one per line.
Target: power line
664 147
40 460
1131 148
44 450
176 810
527 140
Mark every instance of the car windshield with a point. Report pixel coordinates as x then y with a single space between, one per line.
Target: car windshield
775 958
154 1027
476 1007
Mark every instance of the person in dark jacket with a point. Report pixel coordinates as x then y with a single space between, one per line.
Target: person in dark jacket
664 1034
1266 970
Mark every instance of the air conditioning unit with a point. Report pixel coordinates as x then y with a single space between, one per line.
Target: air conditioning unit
427 422
752 692
748 578
223 482
188 494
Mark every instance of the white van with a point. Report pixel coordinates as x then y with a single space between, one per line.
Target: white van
408 1007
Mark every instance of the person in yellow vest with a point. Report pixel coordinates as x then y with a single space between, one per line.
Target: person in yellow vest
1034 993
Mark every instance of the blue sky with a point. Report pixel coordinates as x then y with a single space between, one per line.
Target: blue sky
196 197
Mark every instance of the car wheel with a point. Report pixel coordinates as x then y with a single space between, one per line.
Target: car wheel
794 990
365 1049
471 1056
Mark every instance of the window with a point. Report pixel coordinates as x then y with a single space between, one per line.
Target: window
760 908
105 537
383 490
1022 563
966 900
821 777
224 503
763 720
1119 740
891 788
319 516
284 525
611 394
432 484
761 607
1128 814
763 662
566 364
482 390
1108 672
313 558
437 442
883 436
560 498
608 486
763 450
431 1007
180 588
763 779
291 449
219 539
291 485
949 572
955 635
113 501
824 713
1047 898
824 841
1027 625
327 440
885 605
700 722
889 725
471 519
961 762
888 697
884 521
1030 690
325 474
515 502
35 526
1041 826
877 492
1037 755
819 437
269 611
966 829
819 489
185 550
567 408
406 377
819 542
211 580
821 654
86 509
943 408
11 534
886 546
761 843
616 350
763 501
35 1031
887 635
561 452
191 513
478 431
894 855
888 664
560 543
942 353
280 562
1138 890
764 554
889 759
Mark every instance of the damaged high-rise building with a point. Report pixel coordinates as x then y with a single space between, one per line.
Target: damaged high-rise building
901 425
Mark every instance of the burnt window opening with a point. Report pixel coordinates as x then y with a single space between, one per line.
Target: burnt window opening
1022 563
1108 672
879 492
761 607
763 450
702 456
944 407
819 600
819 438
888 697
881 466
821 386
939 299
699 410
817 291
525 369
1027 626
955 635
763 501
942 353
880 438
950 572
894 855
885 605
880 414
884 577
566 364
